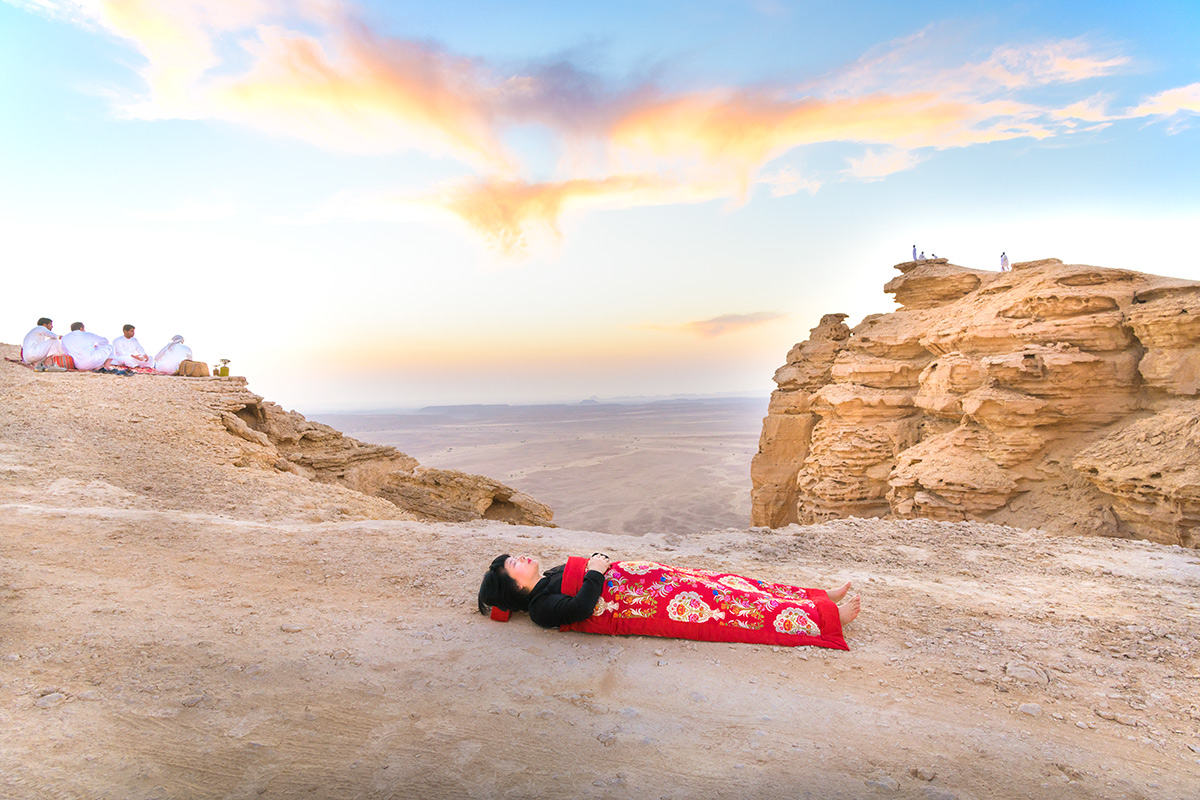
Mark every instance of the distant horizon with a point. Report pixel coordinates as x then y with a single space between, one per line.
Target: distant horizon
624 401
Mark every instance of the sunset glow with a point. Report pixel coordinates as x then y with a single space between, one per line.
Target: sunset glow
470 204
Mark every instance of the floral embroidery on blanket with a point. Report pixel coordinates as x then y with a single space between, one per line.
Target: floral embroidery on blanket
690 607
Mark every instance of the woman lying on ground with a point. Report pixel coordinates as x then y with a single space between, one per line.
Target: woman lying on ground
651 599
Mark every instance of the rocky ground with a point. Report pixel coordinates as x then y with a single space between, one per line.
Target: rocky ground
174 626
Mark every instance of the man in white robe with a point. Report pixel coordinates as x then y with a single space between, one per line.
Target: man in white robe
89 350
128 351
41 343
170 357
1004 262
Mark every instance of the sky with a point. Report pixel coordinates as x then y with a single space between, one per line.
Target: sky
383 205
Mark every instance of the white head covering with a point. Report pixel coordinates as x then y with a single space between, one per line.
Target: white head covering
177 339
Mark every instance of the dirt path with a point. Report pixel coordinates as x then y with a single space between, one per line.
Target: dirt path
236 640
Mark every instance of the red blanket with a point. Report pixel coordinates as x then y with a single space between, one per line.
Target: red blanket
648 599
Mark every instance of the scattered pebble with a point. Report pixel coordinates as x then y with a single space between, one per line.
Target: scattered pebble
50 700
923 773
886 782
291 627
934 793
1032 709
89 696
192 701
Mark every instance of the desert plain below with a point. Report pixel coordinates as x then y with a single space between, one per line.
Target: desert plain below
175 626
645 466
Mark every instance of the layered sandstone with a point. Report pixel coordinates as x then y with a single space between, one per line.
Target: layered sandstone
286 441
1057 396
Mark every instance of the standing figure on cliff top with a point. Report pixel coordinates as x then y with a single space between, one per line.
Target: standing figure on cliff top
128 351
90 351
644 598
914 258
41 345
1004 262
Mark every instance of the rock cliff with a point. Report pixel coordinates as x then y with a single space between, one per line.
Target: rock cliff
1055 396
198 436
286 441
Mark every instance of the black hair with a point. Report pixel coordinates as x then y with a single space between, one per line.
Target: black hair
500 590
127 328
76 326
44 321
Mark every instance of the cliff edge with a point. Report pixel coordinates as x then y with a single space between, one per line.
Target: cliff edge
1055 396
182 442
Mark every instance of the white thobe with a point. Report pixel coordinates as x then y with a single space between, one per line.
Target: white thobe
89 350
171 356
124 350
39 344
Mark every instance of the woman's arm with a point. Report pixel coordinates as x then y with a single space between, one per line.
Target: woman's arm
553 608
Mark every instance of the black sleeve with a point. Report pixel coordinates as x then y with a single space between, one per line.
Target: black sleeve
552 609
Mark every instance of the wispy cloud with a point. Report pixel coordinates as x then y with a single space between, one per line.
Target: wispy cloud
313 71
719 326
875 165
1170 102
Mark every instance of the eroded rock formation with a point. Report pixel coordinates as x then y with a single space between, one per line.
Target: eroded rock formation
1056 396
272 438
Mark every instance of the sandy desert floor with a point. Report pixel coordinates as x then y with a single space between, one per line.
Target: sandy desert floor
671 466
173 626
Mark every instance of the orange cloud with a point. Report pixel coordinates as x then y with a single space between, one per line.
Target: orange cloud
746 130
310 70
364 97
505 211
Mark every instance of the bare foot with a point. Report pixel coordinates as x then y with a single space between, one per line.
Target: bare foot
850 610
837 594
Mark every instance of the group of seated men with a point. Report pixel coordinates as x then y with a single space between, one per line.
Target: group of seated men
84 351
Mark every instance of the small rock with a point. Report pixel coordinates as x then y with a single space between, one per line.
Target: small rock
50 700
1104 713
1081 725
660 652
885 782
1025 672
1195 748
1032 709
662 663
193 701
934 793
89 696
1125 719
923 773
291 627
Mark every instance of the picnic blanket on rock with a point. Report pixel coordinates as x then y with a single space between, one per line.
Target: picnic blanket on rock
649 599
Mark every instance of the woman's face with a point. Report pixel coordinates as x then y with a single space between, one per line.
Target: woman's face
525 570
